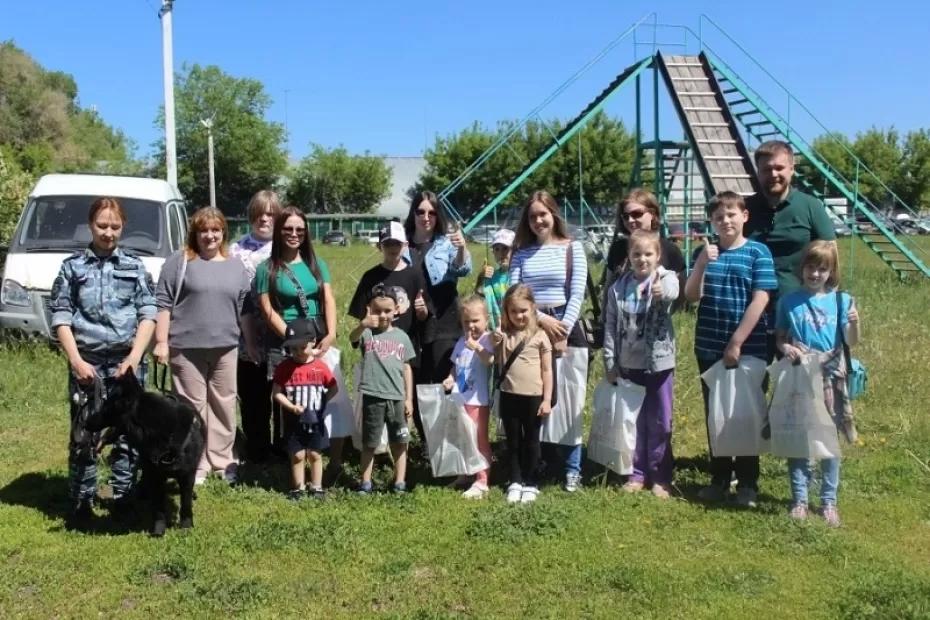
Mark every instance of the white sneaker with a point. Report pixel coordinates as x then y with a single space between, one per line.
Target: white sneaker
514 492
476 491
572 482
529 495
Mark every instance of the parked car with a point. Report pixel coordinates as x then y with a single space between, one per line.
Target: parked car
336 237
368 236
53 225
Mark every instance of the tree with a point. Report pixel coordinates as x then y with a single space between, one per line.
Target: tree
14 188
249 151
607 152
337 182
914 184
42 127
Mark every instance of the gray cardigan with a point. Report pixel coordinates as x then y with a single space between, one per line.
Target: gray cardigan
643 341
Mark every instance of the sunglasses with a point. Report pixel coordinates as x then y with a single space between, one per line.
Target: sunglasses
634 215
289 230
426 212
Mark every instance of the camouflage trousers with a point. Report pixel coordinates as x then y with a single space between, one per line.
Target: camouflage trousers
82 468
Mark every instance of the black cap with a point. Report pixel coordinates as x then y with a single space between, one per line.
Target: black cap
300 331
381 290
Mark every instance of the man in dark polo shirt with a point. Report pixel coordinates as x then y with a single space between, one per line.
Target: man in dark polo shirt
783 218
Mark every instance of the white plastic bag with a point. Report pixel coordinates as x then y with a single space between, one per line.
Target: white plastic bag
612 441
357 418
564 425
451 436
340 419
736 407
801 426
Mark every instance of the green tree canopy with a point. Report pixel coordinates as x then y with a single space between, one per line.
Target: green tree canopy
607 153
248 149
42 127
336 182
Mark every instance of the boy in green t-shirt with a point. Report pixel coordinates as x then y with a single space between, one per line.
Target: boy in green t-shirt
386 385
493 283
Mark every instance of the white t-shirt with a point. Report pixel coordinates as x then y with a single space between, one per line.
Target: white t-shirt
472 377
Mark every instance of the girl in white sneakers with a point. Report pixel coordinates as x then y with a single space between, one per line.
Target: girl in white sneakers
523 356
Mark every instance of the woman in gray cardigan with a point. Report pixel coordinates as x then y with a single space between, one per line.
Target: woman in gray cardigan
199 297
639 345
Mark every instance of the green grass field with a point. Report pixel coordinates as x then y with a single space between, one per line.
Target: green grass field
431 554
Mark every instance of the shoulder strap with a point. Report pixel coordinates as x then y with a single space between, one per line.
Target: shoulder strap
301 296
517 350
182 271
840 337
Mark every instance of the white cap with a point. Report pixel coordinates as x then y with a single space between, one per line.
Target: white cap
503 237
393 230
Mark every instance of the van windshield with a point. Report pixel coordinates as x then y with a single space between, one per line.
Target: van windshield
59 223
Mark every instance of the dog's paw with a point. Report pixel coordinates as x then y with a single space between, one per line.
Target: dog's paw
186 523
158 529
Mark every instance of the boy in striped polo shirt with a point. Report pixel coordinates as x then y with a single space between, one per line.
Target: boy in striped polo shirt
732 280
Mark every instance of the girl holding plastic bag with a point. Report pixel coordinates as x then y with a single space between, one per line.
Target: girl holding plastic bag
470 376
817 319
639 345
523 355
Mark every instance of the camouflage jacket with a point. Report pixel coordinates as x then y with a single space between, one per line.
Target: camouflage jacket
102 299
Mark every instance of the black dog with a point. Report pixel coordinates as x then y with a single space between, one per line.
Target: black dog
169 436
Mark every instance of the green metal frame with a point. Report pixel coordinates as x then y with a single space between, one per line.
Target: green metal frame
556 144
849 190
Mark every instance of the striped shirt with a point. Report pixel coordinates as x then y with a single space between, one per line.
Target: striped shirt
729 283
544 268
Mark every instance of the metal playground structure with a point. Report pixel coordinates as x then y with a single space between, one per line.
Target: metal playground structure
721 117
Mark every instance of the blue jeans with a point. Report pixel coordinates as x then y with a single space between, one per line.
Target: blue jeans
571 455
801 475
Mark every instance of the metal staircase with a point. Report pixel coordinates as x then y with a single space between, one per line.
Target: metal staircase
761 122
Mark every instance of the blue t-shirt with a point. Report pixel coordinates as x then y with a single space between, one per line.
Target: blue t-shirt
729 283
811 319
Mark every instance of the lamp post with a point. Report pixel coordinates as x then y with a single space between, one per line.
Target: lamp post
171 154
208 123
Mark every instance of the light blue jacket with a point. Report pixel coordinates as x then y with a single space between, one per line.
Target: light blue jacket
440 261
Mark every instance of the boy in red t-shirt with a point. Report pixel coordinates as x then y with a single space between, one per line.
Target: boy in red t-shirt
302 385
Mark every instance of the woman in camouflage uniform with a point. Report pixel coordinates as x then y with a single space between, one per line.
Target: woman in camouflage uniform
103 313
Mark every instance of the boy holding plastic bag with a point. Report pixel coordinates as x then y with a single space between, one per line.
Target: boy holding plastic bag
639 345
732 280
818 320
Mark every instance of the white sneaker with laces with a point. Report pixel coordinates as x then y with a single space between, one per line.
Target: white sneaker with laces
514 491
529 495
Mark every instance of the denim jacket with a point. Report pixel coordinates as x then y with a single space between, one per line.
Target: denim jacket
103 300
440 261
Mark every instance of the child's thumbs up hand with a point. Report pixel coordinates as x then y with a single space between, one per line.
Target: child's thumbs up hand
419 306
656 287
487 270
497 336
711 252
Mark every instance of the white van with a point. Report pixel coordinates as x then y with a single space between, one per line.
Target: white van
54 225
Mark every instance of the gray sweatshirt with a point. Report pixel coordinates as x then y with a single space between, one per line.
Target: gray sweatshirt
638 332
206 315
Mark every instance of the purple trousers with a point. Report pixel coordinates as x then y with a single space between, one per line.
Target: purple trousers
653 461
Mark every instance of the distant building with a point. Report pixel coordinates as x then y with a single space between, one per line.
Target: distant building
405 171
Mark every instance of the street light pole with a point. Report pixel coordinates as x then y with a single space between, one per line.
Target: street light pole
208 123
171 155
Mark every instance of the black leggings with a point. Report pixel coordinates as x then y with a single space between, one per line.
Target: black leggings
520 415
255 407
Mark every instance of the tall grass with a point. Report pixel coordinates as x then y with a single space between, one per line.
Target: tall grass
599 553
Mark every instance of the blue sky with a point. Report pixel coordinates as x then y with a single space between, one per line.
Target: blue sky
388 76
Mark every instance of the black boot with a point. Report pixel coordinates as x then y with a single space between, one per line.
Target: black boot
81 515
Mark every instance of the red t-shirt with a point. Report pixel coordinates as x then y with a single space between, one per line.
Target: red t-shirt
304 384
